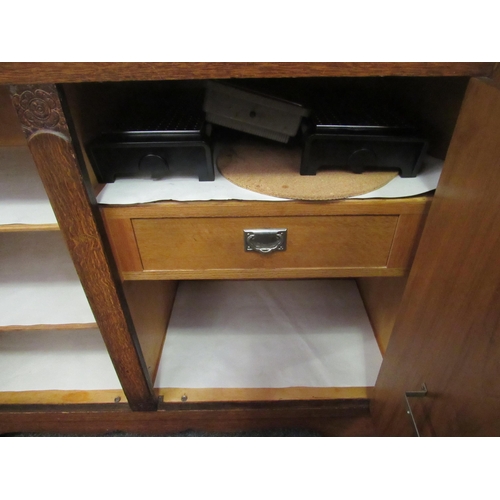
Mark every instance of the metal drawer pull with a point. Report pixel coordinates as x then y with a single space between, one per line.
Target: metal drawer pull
414 394
265 240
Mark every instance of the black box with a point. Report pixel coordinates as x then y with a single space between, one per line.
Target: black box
358 137
155 137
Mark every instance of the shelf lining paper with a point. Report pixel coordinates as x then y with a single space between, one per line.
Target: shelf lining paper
55 360
269 334
38 282
23 199
184 186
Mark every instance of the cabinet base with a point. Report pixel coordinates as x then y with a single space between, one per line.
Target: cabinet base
328 418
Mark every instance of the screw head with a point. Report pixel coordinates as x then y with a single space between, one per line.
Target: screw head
118 399
184 398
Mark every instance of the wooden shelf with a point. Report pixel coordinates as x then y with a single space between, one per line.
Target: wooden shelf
24 205
39 286
25 228
56 367
19 73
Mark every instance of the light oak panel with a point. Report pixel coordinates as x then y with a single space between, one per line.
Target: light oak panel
175 395
59 326
201 244
447 333
18 228
123 244
150 304
278 273
62 397
231 208
382 298
200 216
406 240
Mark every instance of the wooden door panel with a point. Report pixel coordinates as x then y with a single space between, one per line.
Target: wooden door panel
448 331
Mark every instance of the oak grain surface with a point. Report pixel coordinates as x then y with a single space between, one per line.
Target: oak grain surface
231 208
448 331
29 72
382 299
191 238
171 419
201 244
175 394
22 228
406 240
59 397
77 221
45 126
151 304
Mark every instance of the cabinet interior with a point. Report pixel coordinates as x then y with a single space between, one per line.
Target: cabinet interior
432 103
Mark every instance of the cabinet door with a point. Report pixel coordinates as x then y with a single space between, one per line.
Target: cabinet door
447 334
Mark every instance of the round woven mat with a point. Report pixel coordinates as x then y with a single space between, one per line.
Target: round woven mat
275 170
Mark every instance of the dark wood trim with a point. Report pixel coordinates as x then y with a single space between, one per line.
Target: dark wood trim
496 72
56 155
20 73
336 418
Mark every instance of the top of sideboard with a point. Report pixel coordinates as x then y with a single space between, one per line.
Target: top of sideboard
26 73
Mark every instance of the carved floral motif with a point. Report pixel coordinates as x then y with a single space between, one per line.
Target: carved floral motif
38 109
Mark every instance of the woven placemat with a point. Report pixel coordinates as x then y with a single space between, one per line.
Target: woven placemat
274 170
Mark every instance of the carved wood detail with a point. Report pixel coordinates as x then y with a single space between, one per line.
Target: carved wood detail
39 109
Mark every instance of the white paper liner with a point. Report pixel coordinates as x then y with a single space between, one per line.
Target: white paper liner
38 282
269 334
22 196
55 360
184 186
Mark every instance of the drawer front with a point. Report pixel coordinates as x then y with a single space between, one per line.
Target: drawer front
313 242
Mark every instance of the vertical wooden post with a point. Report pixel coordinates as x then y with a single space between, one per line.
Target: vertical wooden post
49 132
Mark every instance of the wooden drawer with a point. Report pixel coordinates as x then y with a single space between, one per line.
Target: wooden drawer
217 243
158 242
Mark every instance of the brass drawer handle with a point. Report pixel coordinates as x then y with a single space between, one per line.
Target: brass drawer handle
414 394
265 240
